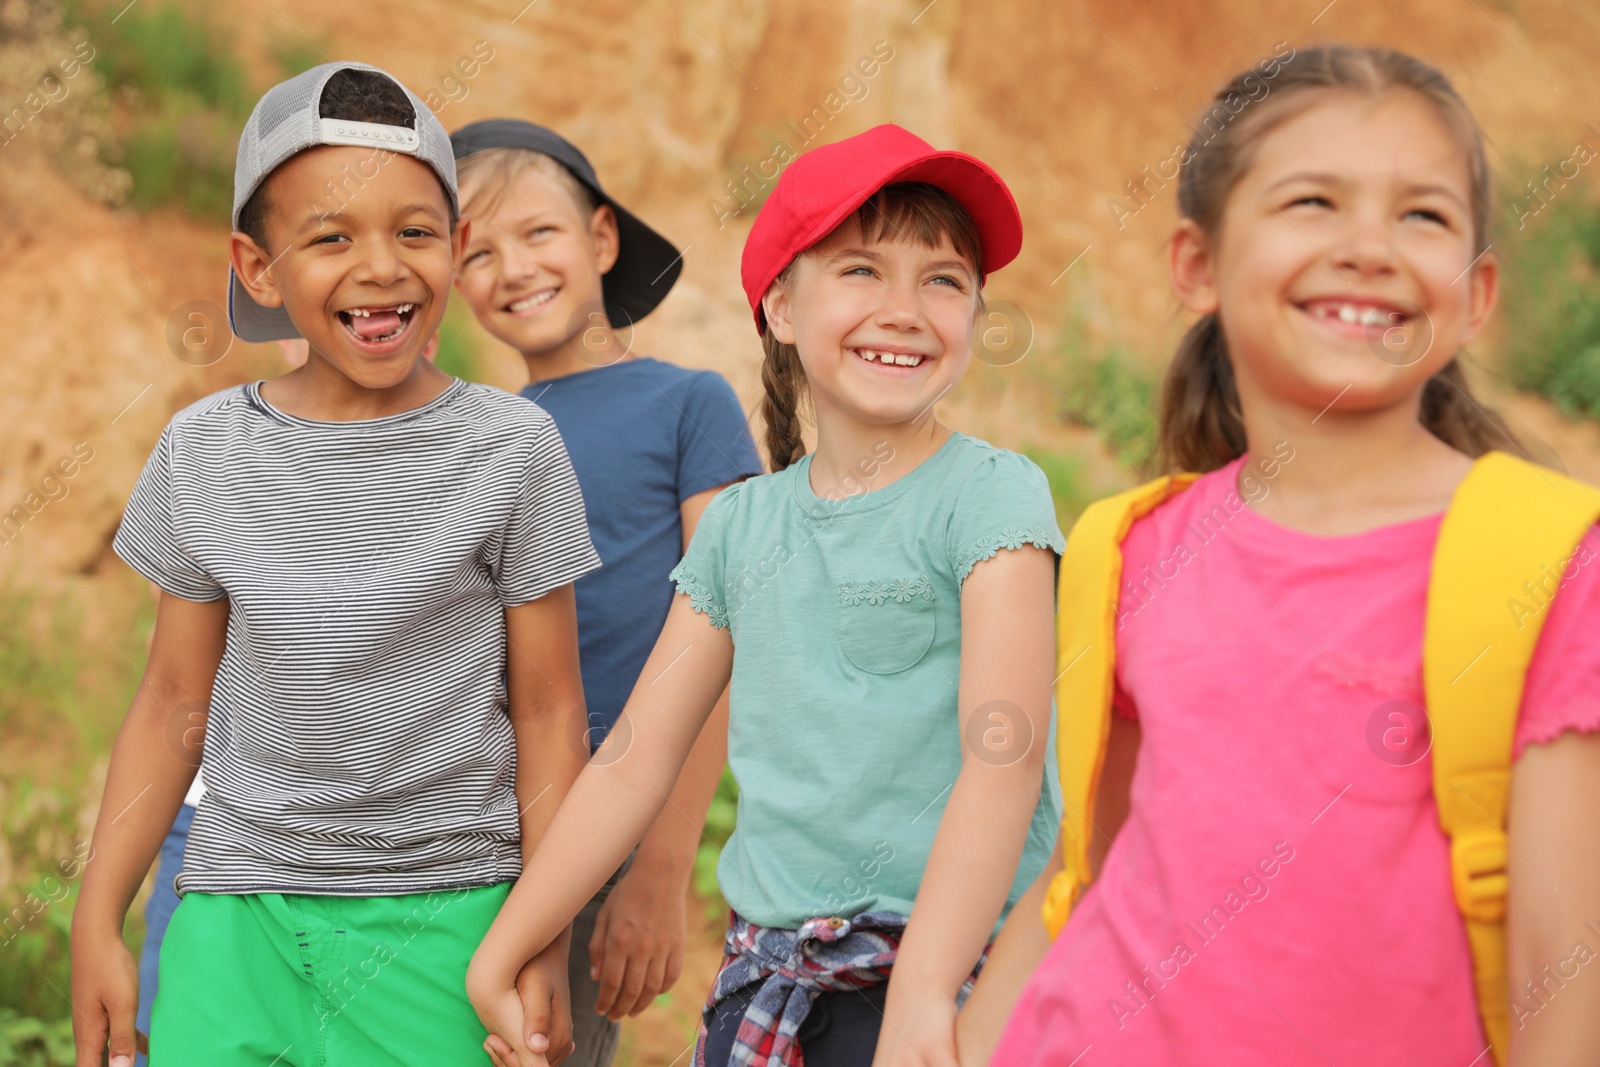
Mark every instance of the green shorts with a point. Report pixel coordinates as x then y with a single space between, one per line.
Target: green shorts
314 981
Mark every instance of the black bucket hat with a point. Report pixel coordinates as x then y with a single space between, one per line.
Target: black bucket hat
647 263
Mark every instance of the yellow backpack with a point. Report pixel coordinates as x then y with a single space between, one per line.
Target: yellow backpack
1508 521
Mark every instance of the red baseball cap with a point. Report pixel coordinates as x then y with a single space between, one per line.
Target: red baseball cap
823 187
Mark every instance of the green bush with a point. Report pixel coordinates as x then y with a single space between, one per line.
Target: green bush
719 827
30 1042
1065 473
458 348
1101 388
1552 304
180 98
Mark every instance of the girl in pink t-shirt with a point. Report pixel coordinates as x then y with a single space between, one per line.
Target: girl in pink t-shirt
1275 889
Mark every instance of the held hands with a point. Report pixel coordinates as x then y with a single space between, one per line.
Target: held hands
636 952
919 1030
530 1023
105 998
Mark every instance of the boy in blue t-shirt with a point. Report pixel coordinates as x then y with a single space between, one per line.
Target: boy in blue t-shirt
552 266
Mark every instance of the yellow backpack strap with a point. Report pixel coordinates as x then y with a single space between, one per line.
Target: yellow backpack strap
1086 610
1511 524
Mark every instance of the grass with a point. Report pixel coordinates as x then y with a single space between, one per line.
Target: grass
1552 304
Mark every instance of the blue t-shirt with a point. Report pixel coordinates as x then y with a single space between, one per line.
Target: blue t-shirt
643 437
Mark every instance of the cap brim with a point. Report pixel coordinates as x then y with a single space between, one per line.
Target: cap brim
646 269
252 321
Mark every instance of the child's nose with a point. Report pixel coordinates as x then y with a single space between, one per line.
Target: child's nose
382 264
900 308
1364 245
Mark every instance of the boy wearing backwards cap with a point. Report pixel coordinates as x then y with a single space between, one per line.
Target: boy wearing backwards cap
884 607
553 262
366 570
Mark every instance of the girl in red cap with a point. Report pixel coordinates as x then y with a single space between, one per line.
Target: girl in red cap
883 607
1286 866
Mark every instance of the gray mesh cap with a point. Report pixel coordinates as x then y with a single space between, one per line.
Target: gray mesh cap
286 121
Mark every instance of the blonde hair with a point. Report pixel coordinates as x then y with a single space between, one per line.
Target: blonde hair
1202 426
483 178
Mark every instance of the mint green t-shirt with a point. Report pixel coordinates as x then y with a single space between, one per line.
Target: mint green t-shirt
846 624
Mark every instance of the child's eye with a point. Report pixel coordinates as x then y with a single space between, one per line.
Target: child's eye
949 280
416 231
1319 201
540 231
1429 214
329 238
470 256
865 272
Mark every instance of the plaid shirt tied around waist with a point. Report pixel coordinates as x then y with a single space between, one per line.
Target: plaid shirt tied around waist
826 954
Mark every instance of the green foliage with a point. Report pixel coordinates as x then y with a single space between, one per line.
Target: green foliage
1104 390
1552 304
165 51
180 97
29 1042
458 348
54 697
719 827
36 906
1065 473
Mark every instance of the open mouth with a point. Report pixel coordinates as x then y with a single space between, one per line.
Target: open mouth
1356 318
378 325
525 305
886 358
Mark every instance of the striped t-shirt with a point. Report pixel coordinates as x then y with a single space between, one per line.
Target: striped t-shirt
358 741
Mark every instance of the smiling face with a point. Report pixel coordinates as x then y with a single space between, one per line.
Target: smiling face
883 327
532 270
1345 262
364 274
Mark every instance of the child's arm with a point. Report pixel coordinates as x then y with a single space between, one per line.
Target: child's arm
154 760
637 948
609 807
544 690
1554 906
1007 652
1023 941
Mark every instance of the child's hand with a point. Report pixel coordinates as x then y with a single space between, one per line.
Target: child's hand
545 1011
105 998
919 1030
637 949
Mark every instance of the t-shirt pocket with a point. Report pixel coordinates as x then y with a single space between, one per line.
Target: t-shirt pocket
886 625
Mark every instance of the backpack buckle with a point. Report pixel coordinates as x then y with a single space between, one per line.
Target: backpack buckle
1478 862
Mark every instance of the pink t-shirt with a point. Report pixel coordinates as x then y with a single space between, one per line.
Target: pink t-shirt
1280 893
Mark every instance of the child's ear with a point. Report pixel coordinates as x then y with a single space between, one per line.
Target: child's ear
253 266
1190 265
458 240
603 234
1485 282
776 306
